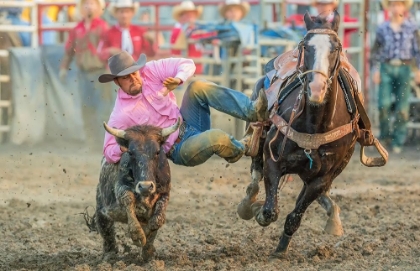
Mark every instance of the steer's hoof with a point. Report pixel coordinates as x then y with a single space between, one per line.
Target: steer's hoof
138 236
138 239
148 253
109 256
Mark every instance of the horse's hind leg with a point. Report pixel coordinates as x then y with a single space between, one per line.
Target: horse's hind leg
310 193
334 225
244 208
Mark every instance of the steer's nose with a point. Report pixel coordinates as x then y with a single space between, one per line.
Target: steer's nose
146 187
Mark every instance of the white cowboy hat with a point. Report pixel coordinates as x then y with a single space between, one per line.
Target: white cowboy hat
408 3
230 3
123 4
336 2
186 6
77 15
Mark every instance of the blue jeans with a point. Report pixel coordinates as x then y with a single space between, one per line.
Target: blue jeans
199 142
395 80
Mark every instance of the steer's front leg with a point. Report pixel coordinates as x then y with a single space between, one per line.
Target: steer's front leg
128 200
159 215
155 222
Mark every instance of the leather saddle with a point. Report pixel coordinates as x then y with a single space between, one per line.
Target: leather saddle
279 69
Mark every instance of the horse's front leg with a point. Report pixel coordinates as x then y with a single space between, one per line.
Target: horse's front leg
310 192
244 208
269 212
334 225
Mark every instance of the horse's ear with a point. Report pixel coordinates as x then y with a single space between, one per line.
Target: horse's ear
308 21
336 21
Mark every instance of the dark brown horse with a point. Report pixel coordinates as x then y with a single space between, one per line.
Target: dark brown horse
320 122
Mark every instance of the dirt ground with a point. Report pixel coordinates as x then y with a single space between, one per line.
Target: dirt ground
44 190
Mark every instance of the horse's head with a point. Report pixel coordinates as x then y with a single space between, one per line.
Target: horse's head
321 54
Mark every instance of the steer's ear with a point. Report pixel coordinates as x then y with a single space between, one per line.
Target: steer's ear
122 142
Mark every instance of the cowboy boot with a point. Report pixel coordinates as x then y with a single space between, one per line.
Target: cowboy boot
251 140
261 106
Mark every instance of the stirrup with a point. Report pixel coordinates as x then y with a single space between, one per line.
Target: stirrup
374 161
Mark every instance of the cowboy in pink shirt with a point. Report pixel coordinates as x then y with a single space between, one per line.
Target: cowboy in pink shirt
145 97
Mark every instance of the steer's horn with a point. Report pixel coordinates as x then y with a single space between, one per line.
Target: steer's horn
114 132
169 130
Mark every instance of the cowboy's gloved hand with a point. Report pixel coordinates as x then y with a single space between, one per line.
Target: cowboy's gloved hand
171 83
62 75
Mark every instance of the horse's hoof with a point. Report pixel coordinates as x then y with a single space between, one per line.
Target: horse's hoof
278 255
244 209
334 227
258 213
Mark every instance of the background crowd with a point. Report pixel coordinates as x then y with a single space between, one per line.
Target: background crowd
103 29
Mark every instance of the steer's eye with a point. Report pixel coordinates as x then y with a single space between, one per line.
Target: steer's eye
157 153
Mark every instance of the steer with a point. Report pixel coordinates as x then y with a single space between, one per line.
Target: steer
135 190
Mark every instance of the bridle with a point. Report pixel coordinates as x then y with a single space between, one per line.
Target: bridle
297 109
302 52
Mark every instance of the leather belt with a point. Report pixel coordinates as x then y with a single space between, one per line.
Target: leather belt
398 62
180 136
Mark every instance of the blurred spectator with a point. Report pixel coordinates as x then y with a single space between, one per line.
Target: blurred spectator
186 15
234 10
145 18
48 37
125 36
395 49
81 44
12 16
324 8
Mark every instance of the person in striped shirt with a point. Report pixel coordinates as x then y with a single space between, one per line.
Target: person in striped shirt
394 51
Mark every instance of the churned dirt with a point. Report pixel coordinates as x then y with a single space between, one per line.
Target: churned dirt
43 190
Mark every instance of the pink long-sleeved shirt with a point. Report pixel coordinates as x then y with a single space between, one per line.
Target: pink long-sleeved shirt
150 106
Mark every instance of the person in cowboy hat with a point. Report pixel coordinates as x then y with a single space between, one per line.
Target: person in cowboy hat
324 8
125 36
234 10
395 49
145 97
81 45
186 15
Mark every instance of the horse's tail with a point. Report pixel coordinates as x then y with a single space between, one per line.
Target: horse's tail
90 220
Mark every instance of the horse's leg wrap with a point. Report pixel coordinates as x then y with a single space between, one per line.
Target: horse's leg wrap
244 208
